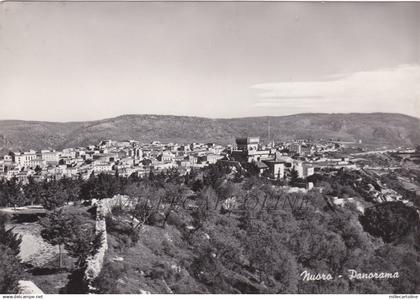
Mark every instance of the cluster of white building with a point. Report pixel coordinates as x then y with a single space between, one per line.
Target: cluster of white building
275 161
128 157
109 156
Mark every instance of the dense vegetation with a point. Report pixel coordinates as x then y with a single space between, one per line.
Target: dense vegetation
225 231
391 221
55 193
74 229
235 235
11 269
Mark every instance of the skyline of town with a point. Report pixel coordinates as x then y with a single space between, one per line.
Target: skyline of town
131 156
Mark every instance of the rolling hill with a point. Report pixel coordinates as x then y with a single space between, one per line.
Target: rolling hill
372 128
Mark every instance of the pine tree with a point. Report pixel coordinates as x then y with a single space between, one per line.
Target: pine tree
294 176
11 271
72 231
32 191
53 196
55 230
7 237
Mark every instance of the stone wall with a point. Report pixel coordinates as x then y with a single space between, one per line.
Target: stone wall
103 208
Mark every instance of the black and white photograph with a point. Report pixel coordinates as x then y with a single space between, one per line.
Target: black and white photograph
209 147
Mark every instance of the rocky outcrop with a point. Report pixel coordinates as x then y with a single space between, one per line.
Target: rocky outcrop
28 287
33 249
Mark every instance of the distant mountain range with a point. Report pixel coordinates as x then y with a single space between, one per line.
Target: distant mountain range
371 128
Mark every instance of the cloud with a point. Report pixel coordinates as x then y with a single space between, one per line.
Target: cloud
384 90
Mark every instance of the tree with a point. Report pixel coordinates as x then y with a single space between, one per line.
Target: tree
7 237
13 193
207 268
258 247
197 185
275 265
214 175
105 186
390 220
294 177
11 271
251 169
55 230
111 272
73 229
76 283
71 188
205 201
32 191
87 188
76 231
81 241
173 196
134 177
53 195
144 203
18 199
38 169
3 199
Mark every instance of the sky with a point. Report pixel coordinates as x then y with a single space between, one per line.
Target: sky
73 61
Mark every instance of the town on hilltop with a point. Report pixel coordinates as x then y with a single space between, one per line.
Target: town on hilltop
275 161
129 217
209 147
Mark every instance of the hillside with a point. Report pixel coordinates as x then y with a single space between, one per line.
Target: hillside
374 128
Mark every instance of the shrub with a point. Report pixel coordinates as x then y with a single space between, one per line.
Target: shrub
390 220
105 282
10 272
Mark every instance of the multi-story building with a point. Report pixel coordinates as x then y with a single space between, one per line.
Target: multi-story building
248 150
102 167
275 169
212 158
35 162
303 169
308 170
135 153
24 159
50 157
166 157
